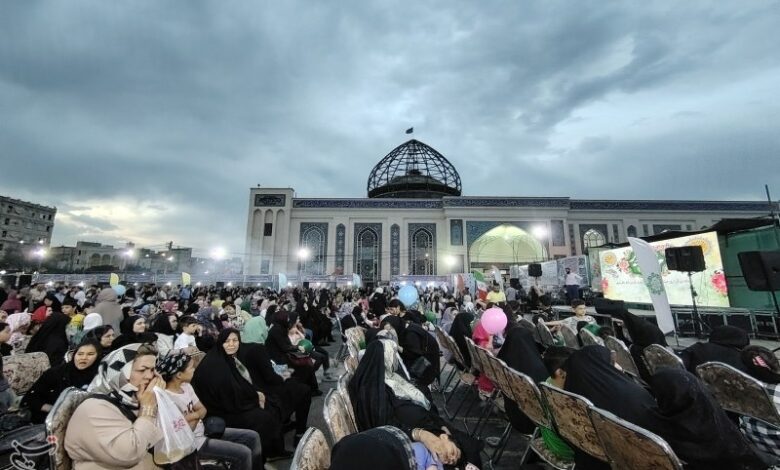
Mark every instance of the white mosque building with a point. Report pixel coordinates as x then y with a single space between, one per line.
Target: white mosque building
415 222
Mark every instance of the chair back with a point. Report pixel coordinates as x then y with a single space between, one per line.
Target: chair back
351 363
455 350
354 336
343 389
629 446
589 339
312 452
622 355
336 417
476 362
569 337
738 392
57 423
498 370
526 394
23 370
572 418
657 357
545 335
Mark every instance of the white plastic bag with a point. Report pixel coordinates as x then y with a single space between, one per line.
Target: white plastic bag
178 440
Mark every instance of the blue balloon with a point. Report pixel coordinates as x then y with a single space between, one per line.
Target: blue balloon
408 295
119 289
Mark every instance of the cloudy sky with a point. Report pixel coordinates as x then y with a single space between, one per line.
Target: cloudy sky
148 121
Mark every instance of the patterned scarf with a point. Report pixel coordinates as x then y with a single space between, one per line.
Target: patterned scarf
402 388
113 377
171 364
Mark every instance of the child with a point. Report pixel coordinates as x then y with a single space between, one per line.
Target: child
580 311
240 447
189 327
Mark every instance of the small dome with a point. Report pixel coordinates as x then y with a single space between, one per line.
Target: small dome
414 170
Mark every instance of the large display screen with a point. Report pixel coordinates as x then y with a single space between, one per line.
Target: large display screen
621 278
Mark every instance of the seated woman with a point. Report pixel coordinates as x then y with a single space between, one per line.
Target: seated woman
725 344
519 351
697 428
164 328
240 447
280 348
381 396
293 396
133 329
460 330
591 373
418 348
78 373
225 387
762 364
104 335
51 338
117 427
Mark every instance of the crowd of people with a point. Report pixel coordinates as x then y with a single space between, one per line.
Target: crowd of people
243 364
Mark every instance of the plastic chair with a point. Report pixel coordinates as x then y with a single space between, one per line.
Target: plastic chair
336 417
526 394
343 390
629 446
545 335
657 357
622 355
738 392
569 337
312 452
589 339
572 418
23 370
57 423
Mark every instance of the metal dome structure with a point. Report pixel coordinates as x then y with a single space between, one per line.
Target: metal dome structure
413 170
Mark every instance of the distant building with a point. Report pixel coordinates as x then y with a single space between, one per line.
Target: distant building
92 255
415 221
25 224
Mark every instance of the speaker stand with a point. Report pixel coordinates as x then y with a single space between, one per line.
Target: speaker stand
697 321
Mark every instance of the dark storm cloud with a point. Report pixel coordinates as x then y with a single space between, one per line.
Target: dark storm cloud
152 119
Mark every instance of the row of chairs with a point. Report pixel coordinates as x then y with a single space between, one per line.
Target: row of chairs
595 431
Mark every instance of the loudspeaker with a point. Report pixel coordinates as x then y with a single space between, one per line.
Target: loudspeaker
689 259
535 270
220 285
306 285
761 269
607 306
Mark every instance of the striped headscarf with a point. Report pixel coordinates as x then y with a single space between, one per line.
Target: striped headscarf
113 377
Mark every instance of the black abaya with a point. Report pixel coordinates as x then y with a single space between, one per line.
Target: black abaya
520 352
51 338
227 394
725 345
460 330
695 425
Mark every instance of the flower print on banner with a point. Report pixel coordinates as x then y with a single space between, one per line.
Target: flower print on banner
718 280
604 284
655 284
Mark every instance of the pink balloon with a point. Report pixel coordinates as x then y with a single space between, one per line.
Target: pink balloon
493 320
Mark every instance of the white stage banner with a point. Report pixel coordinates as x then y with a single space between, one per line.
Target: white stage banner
647 259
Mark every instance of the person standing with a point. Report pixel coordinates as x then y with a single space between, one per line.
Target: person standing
572 284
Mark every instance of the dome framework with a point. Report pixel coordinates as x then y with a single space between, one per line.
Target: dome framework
413 170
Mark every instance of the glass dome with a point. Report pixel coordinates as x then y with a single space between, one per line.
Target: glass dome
414 170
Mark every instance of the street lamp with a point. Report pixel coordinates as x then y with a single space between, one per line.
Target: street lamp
127 255
540 231
303 255
218 253
39 253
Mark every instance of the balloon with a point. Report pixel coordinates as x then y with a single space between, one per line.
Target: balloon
119 289
306 345
430 316
493 320
408 295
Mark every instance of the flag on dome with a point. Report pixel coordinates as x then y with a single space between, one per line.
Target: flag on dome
410 130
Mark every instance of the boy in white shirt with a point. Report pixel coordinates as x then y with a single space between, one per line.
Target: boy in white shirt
189 327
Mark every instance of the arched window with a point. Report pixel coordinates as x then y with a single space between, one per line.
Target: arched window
423 252
631 231
593 238
367 251
313 239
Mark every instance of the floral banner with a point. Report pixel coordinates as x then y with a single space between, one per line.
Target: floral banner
621 276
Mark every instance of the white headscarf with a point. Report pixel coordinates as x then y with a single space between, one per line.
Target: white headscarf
113 377
401 387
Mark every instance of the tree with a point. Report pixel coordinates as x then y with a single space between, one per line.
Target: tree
14 258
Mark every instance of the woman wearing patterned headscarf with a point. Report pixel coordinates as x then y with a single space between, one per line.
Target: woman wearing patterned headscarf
116 427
